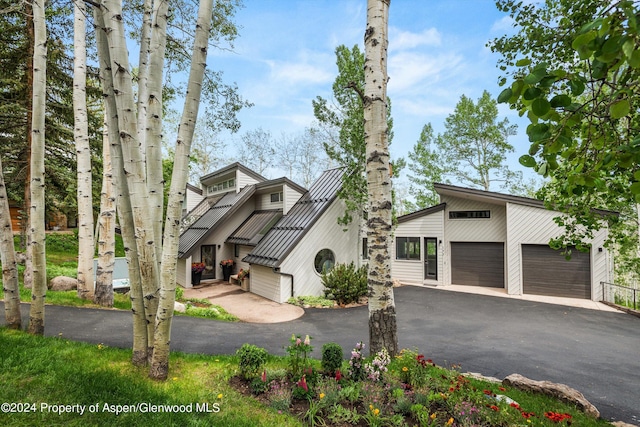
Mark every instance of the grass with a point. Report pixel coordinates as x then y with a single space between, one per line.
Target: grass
62 260
55 371
312 301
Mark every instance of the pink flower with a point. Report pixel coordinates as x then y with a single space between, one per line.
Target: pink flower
298 341
307 340
303 383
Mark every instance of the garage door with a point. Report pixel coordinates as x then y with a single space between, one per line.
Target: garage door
477 264
545 271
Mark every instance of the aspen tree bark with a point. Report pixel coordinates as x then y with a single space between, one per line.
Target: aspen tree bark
8 259
143 71
36 215
125 213
86 246
160 360
133 162
25 236
382 311
106 227
153 126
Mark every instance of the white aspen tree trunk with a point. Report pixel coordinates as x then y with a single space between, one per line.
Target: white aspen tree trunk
160 360
123 204
106 227
10 284
143 72
153 126
382 311
36 215
133 162
86 246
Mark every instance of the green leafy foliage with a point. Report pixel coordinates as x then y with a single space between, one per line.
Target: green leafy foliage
251 360
332 356
345 283
576 67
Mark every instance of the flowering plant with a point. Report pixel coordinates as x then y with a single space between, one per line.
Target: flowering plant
197 267
243 273
226 262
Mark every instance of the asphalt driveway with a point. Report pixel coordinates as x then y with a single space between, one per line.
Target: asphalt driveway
595 352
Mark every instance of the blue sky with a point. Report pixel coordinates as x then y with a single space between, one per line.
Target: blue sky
285 57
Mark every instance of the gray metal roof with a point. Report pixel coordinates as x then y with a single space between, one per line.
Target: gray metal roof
422 212
232 167
255 227
205 225
284 236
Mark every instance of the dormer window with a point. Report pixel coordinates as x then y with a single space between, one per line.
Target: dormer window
276 197
224 185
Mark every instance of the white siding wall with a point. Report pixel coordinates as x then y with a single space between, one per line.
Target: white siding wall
263 201
325 233
242 180
291 196
183 275
530 225
221 234
413 271
266 283
192 200
244 251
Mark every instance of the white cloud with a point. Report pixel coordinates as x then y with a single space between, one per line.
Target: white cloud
504 25
407 70
402 40
298 73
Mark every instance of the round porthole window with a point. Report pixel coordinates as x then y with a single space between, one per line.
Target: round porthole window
325 259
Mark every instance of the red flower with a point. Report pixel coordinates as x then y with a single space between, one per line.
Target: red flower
502 389
264 376
557 417
303 383
495 408
338 375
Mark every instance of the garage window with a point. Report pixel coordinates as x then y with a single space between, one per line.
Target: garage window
408 248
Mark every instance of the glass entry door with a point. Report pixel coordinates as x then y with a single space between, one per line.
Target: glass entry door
430 258
208 256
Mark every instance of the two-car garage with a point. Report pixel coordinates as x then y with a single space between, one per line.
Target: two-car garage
545 271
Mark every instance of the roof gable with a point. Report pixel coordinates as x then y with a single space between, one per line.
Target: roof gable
208 222
233 167
291 228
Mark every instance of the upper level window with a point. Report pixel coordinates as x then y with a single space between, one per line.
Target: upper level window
276 197
223 185
408 248
469 214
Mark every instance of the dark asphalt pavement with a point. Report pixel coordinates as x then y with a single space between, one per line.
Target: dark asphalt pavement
595 352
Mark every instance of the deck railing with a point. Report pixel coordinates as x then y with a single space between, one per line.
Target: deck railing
621 295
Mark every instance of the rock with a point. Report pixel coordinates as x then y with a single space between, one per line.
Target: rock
481 377
63 283
179 307
622 424
560 391
396 283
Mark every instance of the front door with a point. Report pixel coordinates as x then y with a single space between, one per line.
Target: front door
430 258
208 256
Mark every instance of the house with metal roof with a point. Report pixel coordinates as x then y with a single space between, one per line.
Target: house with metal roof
289 259
236 208
488 239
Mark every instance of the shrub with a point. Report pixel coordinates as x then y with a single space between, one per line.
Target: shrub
345 283
332 356
179 293
251 360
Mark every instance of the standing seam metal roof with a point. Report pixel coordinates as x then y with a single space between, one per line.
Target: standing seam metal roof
201 228
253 229
287 232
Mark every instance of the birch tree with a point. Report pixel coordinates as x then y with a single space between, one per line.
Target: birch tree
36 216
382 311
162 337
83 155
106 228
10 285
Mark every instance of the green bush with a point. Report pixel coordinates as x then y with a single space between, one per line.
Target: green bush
331 357
251 360
345 283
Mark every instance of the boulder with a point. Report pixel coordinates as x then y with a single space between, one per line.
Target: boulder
481 377
622 424
63 283
559 391
179 307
